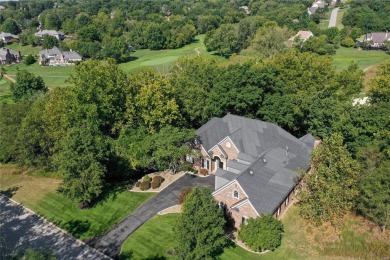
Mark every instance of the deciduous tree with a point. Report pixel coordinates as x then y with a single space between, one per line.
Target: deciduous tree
27 86
199 230
330 188
262 233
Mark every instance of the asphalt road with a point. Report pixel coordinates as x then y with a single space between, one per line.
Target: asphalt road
333 18
21 229
111 243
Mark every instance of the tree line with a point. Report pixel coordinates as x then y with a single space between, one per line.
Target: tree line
108 124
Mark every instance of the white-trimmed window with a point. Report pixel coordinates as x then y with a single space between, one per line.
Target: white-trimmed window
189 158
228 145
235 194
286 202
244 220
205 164
277 214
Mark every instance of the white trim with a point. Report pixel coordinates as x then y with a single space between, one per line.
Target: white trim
240 204
224 187
231 141
238 194
243 190
220 149
208 155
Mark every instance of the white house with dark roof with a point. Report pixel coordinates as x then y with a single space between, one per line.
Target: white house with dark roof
302 36
58 34
58 57
8 56
8 37
256 163
377 39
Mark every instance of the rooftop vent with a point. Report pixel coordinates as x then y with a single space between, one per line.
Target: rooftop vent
286 150
264 160
251 172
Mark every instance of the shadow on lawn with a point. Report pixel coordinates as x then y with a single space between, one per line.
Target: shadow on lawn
77 227
10 192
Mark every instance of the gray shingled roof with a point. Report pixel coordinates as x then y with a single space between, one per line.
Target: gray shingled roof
378 37
266 183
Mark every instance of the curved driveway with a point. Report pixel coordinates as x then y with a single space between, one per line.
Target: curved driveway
111 243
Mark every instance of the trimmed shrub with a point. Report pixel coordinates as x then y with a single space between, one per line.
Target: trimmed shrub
262 233
184 194
29 60
187 168
145 185
155 184
137 184
147 178
158 179
348 42
203 172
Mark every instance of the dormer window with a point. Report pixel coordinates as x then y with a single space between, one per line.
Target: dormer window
235 194
228 145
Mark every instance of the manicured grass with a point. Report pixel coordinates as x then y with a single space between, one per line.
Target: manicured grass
40 194
156 237
364 59
54 76
25 50
161 60
5 93
340 15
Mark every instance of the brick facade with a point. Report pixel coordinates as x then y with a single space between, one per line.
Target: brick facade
227 198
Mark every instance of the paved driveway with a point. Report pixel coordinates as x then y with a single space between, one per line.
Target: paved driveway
333 18
110 243
21 229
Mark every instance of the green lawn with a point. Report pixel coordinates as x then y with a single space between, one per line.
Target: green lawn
161 60
340 15
345 56
53 76
155 238
25 50
39 194
5 93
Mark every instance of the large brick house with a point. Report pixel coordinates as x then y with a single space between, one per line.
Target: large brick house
256 165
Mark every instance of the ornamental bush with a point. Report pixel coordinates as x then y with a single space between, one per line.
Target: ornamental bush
158 179
145 185
183 194
155 184
147 178
262 233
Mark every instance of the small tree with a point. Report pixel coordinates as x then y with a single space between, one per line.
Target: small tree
27 85
331 187
263 233
348 42
374 199
49 41
80 157
29 60
199 230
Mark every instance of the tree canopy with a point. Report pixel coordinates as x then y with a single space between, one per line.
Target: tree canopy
262 233
199 229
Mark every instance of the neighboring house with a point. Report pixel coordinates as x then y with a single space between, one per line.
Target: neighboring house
2 7
315 6
8 56
361 101
246 9
302 36
58 57
8 37
377 39
58 34
257 165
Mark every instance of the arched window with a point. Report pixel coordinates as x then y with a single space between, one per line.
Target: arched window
235 194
